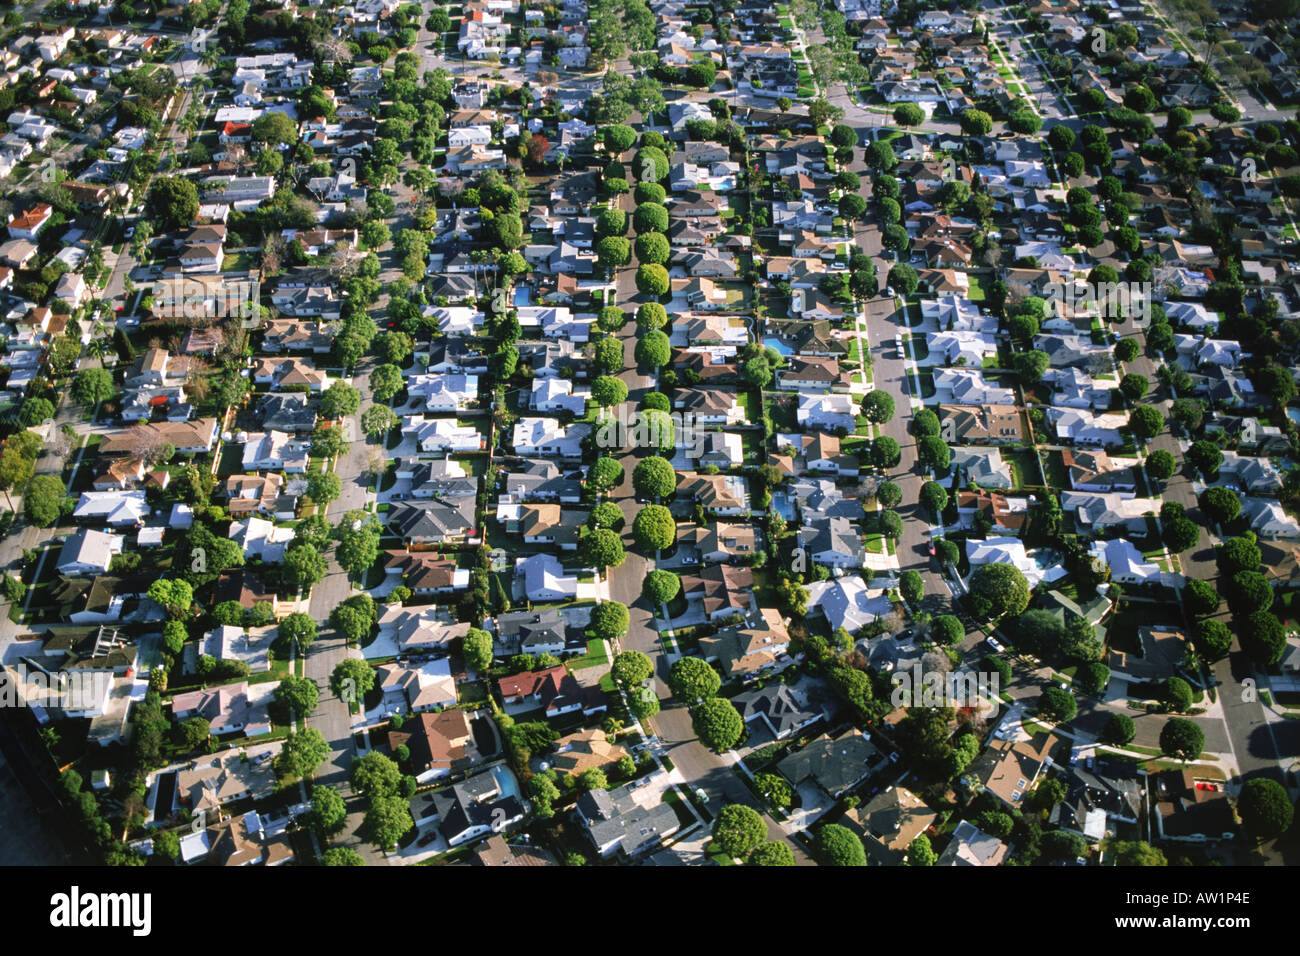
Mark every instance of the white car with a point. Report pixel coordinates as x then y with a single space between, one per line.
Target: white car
995 645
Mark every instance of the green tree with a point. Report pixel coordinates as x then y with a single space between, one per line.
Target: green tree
998 590
375 775
176 597
911 586
195 733
609 355
298 695
1119 729
1265 808
606 514
631 668
1221 505
340 400
615 251
607 390
1146 421
1161 465
1057 704
908 114
691 680
652 247
885 452
477 650
299 629
947 629
837 845
920 852
933 497
35 410
1187 414
1182 739
328 810
1200 597
775 790
1136 853
301 754
651 316
878 406
167 845
652 279
174 636
173 201
660 587
888 494
1177 694
387 820
717 723
91 386
1205 456
652 349
737 830
358 536
1264 638
386 381
1212 639
1134 386
771 854
1030 366
650 217
355 617
43 499
654 478
976 122
605 474
602 549
654 528
351 679
341 856
378 420
1181 534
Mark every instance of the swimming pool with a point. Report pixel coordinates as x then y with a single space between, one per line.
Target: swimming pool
781 347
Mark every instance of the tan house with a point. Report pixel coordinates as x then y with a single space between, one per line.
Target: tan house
551 524
586 750
981 424
888 824
1010 770
439 743
745 652
250 494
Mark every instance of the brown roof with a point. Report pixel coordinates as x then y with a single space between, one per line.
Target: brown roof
495 851
889 823
977 424
441 741
422 570
32 217
721 585
1009 769
995 507
584 750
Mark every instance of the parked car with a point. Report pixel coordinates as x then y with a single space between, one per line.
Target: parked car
995 645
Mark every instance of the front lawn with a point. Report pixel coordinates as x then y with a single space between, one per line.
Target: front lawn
595 656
